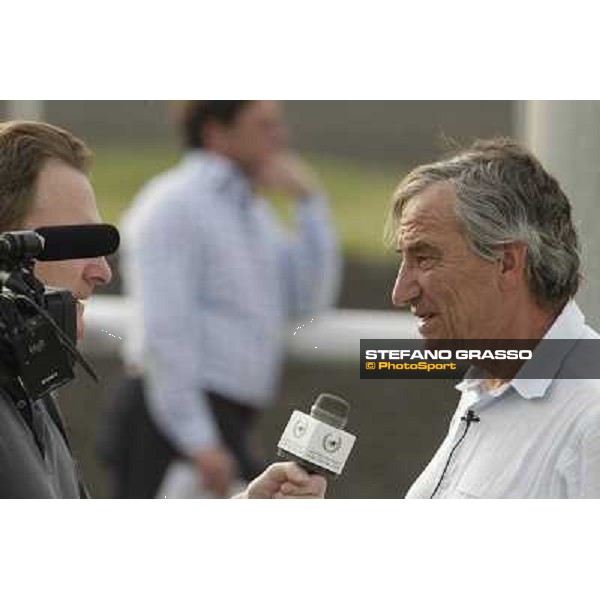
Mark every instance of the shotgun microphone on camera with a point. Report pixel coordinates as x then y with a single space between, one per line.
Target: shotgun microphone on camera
67 242
63 242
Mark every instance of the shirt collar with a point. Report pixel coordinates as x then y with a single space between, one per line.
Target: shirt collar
226 174
569 325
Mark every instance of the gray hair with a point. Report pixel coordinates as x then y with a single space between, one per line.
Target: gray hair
504 195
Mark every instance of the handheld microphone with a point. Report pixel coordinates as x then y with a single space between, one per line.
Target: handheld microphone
67 242
318 442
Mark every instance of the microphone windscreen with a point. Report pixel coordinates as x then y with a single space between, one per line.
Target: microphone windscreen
331 409
66 242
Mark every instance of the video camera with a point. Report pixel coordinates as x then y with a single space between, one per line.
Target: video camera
38 324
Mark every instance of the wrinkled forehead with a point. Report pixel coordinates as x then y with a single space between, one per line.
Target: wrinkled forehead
430 213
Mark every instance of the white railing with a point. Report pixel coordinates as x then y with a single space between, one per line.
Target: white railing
331 337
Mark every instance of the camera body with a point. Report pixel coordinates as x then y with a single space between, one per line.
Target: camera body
37 324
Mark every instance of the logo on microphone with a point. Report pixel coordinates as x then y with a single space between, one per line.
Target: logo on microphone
300 428
315 442
332 442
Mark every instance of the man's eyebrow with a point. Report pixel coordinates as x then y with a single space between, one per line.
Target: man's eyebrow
419 247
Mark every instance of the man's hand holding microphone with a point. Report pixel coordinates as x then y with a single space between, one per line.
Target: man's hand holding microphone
319 447
285 481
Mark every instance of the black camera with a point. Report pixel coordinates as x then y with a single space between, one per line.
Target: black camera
38 324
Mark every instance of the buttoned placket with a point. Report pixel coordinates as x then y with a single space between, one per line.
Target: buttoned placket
29 412
263 256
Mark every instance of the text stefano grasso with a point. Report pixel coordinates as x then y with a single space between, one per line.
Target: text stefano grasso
497 354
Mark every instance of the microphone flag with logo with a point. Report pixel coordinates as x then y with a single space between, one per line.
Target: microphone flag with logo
318 442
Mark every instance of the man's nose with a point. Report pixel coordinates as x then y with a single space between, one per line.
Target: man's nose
406 287
98 272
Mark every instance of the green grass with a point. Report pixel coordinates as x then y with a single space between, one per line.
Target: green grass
359 193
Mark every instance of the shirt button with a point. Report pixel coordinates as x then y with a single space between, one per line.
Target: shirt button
21 404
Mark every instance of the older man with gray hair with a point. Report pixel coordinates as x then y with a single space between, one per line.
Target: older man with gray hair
489 252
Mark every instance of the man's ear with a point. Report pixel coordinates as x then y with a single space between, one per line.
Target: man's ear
512 262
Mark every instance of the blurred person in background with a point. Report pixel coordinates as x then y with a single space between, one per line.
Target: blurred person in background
44 182
214 280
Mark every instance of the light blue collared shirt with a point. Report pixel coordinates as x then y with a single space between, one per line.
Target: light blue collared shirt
536 438
214 279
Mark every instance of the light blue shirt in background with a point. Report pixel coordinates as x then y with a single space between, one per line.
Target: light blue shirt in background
214 279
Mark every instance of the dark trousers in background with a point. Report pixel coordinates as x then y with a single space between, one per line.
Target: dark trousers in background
138 454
